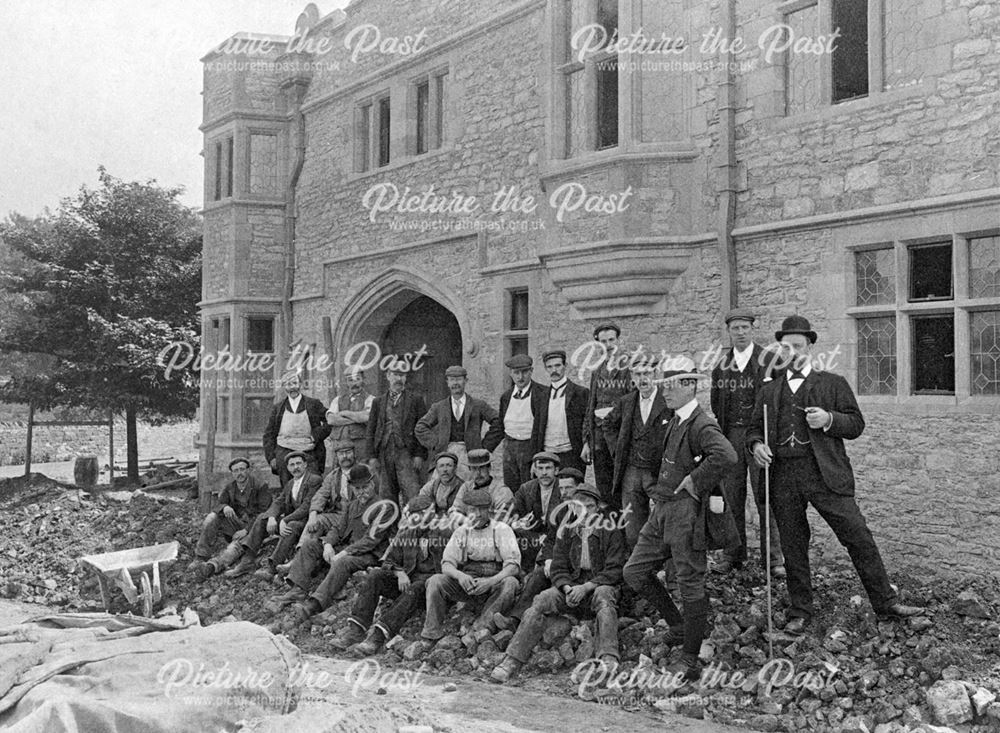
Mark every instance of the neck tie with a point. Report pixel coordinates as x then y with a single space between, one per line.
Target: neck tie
395 397
557 392
521 394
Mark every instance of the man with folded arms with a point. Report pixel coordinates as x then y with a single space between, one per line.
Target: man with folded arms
481 560
414 555
348 415
586 571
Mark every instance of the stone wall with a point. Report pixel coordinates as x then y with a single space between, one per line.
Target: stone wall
64 443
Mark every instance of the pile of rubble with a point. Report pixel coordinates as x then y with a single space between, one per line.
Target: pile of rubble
849 673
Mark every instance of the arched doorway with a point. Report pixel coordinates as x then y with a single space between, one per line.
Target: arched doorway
424 324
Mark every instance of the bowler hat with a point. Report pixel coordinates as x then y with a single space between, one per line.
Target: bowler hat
360 474
796 324
519 361
296 454
553 354
608 327
740 314
587 490
456 371
479 457
569 472
477 497
546 456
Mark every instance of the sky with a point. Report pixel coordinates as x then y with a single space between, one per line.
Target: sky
114 83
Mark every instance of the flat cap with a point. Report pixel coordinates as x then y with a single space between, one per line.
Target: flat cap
296 454
342 444
608 327
479 457
360 474
419 503
456 371
552 354
587 490
740 314
570 472
446 454
519 361
239 460
478 497
546 456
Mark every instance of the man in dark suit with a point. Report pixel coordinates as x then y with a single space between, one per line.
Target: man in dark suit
635 429
455 424
810 414
564 412
606 386
736 380
297 423
696 456
521 409
395 452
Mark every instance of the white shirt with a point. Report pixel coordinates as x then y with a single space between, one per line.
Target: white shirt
743 357
556 429
646 405
519 420
683 413
335 407
458 407
297 487
345 491
795 382
293 403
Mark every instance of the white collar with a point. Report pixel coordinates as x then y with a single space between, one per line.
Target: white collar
294 402
652 396
560 383
459 401
683 413
746 353
805 371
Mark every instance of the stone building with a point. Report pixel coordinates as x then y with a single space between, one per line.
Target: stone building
482 179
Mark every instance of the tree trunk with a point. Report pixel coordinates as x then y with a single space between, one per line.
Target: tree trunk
131 444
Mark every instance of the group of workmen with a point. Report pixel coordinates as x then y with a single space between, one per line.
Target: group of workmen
670 486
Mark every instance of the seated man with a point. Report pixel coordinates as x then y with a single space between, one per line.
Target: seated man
443 487
285 517
414 555
240 501
586 570
361 531
480 560
501 497
535 507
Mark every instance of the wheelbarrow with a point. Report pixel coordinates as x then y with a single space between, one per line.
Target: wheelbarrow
117 567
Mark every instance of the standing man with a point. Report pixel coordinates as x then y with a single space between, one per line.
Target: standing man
297 423
606 386
736 380
348 415
455 424
635 428
521 409
563 416
239 503
810 414
696 457
392 446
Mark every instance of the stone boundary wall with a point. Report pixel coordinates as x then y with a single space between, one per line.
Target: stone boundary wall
64 443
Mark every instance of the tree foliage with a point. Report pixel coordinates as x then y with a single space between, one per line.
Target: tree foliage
95 292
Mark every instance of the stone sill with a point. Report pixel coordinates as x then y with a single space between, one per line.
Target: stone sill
930 406
243 115
403 162
615 156
269 203
824 114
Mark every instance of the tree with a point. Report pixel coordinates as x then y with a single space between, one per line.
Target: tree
99 289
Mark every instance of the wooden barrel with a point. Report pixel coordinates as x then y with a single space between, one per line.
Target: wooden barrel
85 471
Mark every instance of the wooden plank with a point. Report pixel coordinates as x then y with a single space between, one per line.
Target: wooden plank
27 449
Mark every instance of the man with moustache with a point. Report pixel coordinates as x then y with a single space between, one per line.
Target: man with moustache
563 413
810 415
443 486
414 555
636 427
521 409
240 501
607 385
586 571
696 456
482 480
481 560
455 424
349 413
736 379
396 454
297 423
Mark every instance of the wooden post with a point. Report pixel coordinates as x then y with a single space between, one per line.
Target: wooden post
111 448
206 469
27 447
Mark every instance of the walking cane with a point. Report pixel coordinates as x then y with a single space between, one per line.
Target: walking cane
767 543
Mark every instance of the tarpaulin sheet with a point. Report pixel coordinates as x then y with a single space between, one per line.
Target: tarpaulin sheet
102 673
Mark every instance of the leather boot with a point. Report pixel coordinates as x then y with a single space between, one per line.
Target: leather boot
695 624
232 553
372 644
